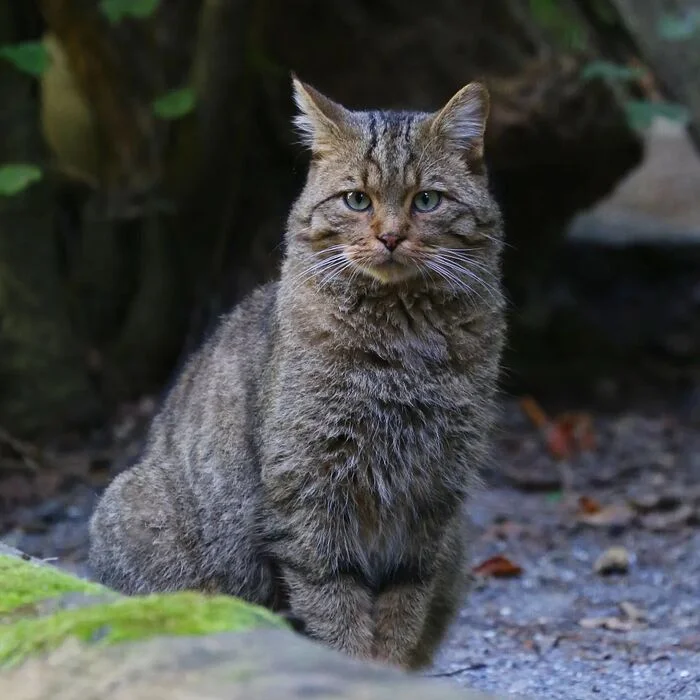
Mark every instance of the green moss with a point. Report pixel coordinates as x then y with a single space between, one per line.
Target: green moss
24 583
133 618
128 619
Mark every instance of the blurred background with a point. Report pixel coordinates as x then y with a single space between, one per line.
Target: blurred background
147 164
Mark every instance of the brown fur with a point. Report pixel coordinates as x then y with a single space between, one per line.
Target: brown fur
316 453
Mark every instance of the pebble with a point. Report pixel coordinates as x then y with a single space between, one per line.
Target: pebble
615 560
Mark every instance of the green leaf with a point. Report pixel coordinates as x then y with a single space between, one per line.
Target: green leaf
16 177
675 28
28 56
611 71
641 113
175 104
559 21
116 10
673 111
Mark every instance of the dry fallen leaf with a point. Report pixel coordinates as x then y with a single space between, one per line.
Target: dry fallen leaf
588 505
614 624
579 428
499 567
559 442
566 434
534 412
585 433
615 560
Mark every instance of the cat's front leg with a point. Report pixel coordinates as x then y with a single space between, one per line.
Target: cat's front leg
335 609
414 610
401 613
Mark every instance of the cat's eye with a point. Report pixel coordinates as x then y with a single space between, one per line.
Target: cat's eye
427 201
357 201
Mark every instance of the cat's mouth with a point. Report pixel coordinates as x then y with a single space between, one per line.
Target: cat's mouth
388 269
388 272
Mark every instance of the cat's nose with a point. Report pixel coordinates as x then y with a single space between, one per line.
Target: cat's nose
390 240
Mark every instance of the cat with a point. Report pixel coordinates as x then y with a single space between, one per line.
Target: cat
315 454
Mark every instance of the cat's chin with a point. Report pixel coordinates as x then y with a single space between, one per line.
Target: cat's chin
390 272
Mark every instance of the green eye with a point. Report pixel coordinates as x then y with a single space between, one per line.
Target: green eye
357 201
427 201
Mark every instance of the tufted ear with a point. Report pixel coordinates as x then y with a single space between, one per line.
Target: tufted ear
462 121
320 121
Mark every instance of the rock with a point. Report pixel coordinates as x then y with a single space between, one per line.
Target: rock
253 665
677 518
26 582
615 560
42 607
62 637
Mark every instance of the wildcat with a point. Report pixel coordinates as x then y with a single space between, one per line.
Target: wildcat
316 452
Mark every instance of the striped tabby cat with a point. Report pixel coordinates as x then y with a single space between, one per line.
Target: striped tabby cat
315 455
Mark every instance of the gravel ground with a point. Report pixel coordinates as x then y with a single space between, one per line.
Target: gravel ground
559 629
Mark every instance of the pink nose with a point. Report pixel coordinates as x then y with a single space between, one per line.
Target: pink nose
390 240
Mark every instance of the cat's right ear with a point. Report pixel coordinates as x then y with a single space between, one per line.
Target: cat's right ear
320 122
462 121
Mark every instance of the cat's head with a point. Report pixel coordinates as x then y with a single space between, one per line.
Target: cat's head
395 198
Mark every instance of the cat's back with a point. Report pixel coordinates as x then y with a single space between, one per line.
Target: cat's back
171 520
216 393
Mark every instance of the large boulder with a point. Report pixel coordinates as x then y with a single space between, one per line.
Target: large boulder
62 637
41 607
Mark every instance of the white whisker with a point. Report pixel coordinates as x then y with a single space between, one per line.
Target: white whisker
331 276
471 262
463 269
451 274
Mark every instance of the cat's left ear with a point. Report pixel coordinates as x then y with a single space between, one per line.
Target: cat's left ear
462 121
321 122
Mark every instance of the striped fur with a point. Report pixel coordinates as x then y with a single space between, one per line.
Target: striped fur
316 453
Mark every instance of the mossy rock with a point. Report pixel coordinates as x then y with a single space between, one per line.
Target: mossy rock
41 607
254 665
62 637
25 584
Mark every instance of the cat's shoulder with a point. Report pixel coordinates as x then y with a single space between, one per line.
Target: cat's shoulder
255 314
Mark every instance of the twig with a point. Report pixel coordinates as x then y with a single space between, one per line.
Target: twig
8 551
455 672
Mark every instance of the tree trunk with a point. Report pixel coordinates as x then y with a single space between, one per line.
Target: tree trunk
156 220
43 378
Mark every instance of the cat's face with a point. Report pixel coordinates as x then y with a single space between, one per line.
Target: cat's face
395 197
